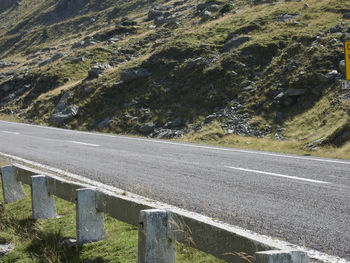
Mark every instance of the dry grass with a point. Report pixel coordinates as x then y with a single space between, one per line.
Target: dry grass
214 135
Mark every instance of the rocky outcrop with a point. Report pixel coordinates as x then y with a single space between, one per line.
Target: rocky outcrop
63 111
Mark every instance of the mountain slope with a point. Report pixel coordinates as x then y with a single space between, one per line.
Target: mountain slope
203 70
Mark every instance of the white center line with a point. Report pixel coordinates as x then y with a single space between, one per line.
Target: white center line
279 175
9 132
84 143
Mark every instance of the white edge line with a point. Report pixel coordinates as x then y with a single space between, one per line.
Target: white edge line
314 254
279 175
187 144
84 143
10 132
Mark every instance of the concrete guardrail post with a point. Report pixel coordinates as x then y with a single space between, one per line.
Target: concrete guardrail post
11 187
43 202
154 244
281 256
90 222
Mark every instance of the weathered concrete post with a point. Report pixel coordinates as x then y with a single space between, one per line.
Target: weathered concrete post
90 222
11 188
281 256
43 203
154 245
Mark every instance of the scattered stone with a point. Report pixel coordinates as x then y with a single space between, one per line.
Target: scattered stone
57 56
97 70
336 29
152 14
332 74
206 15
6 249
296 92
236 42
135 73
234 118
279 96
5 64
68 242
213 8
313 145
322 78
167 133
77 59
147 128
286 17
178 122
346 15
78 44
103 124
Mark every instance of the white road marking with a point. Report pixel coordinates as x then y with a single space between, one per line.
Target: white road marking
314 254
10 132
84 143
279 175
190 145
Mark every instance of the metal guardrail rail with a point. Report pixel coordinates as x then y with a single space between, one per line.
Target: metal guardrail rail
159 225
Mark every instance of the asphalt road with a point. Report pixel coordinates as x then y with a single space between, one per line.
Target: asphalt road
303 200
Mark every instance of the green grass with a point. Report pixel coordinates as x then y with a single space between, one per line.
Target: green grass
37 241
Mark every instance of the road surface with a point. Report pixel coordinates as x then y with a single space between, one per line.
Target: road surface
303 200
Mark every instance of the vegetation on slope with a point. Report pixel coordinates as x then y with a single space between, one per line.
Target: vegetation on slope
169 69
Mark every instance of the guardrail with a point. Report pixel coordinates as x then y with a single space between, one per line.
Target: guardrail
159 225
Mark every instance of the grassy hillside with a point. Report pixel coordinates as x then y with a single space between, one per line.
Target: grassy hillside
213 71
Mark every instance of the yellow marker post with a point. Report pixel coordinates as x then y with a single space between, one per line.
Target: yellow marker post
347 60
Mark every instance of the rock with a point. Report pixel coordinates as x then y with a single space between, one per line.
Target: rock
5 64
160 20
263 1
342 67
105 123
236 42
178 122
295 92
279 96
322 78
77 59
63 112
336 29
206 15
97 70
6 249
62 117
279 116
346 15
286 17
78 44
6 87
67 242
167 133
62 104
314 144
213 8
332 74
57 56
152 14
147 128
135 73
210 118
